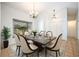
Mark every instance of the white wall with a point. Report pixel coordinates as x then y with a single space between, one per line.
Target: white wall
78 20
44 20
0 29
58 25
72 28
8 13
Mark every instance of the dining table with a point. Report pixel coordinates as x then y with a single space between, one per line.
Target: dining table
41 41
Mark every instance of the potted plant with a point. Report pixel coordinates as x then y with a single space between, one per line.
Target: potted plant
5 35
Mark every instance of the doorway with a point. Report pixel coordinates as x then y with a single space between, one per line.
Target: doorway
72 23
72 31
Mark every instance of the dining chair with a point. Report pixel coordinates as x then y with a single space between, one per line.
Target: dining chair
49 34
42 33
16 36
54 45
27 48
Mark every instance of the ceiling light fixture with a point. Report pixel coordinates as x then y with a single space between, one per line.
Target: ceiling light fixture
54 14
34 12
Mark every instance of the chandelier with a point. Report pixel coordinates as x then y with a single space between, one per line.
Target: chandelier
34 12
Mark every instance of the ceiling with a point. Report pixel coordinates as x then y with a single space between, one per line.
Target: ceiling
24 6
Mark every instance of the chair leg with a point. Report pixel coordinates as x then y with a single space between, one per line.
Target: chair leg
22 54
18 50
59 52
56 54
38 53
26 55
